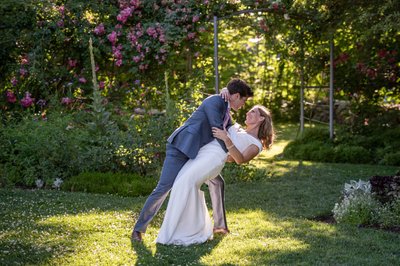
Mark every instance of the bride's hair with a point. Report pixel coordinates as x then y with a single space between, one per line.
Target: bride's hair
266 132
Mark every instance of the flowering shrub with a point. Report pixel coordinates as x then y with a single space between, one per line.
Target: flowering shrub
133 40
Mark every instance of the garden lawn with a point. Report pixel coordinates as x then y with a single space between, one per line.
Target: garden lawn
272 221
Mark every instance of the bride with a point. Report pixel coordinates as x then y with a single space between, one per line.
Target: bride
187 220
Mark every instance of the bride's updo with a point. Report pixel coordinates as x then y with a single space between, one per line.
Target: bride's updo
266 132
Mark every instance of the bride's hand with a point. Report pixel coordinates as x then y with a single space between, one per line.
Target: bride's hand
219 133
225 94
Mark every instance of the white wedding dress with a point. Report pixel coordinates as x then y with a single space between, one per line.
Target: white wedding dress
187 220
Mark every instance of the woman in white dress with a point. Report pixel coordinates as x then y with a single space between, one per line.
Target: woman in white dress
187 220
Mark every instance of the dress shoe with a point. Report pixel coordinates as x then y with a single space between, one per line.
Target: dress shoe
222 231
136 236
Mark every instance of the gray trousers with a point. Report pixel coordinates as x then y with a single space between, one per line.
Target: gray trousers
173 163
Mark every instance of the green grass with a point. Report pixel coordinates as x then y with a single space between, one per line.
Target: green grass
271 222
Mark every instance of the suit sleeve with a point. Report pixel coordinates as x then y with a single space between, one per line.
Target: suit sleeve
215 109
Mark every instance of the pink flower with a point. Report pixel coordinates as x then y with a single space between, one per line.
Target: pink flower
124 14
14 81
99 30
371 73
143 66
382 53
136 59
152 32
72 63
82 80
195 18
112 37
101 84
117 54
27 101
139 47
360 66
66 100
11 98
118 62
191 35
24 60
135 3
60 23
132 38
23 72
263 26
61 9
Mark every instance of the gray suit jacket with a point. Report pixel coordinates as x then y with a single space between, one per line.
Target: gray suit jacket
196 131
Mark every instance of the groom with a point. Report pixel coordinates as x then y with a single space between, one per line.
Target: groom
184 144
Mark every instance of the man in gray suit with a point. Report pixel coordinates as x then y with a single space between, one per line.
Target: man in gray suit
184 144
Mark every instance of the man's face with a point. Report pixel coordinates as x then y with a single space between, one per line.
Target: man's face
236 101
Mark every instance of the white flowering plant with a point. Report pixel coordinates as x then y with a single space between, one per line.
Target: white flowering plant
358 206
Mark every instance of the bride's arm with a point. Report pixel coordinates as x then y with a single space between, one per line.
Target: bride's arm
248 154
230 159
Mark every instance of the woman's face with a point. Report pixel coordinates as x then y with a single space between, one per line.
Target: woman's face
253 116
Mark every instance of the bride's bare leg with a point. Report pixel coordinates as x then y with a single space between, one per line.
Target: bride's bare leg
217 189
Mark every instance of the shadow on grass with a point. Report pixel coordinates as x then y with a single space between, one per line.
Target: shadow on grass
290 197
322 244
174 255
37 226
297 188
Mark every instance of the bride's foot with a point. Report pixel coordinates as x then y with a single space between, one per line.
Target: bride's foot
222 231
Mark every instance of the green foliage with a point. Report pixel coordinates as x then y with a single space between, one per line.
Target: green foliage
36 149
389 215
129 185
63 145
233 173
352 154
379 145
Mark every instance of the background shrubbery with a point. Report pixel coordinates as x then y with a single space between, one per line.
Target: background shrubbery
64 145
379 146
131 185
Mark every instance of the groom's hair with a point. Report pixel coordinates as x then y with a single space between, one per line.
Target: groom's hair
239 86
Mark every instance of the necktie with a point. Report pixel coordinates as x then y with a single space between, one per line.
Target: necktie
227 117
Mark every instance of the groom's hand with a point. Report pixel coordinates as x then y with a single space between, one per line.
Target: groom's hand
225 94
220 134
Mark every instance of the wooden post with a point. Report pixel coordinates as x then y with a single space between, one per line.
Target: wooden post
331 48
216 54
